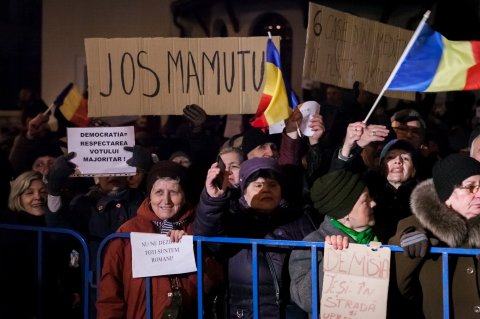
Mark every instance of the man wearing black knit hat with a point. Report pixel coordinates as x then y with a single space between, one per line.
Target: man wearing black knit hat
447 209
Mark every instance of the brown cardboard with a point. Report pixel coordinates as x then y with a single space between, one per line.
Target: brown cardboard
355 282
157 76
342 48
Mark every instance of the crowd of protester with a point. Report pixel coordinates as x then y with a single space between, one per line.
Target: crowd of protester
409 176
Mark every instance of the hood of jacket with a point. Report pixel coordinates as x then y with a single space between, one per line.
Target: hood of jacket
443 222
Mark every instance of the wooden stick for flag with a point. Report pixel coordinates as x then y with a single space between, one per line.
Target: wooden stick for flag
399 63
49 109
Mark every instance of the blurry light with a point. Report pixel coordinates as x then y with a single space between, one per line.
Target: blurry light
278 27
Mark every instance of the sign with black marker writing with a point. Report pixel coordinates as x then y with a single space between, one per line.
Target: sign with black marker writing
342 48
155 76
355 282
157 255
100 150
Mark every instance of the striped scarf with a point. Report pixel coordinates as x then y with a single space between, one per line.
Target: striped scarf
164 226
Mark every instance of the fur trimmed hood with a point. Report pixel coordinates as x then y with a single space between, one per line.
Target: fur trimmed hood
443 222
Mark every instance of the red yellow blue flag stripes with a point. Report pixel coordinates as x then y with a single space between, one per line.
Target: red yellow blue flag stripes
436 64
72 106
277 99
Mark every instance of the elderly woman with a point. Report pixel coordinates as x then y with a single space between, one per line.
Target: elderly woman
18 252
446 208
232 157
166 210
392 185
28 199
259 212
344 199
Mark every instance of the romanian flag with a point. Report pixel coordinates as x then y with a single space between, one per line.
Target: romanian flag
277 99
436 64
72 106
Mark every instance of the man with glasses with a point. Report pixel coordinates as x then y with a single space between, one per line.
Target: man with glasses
409 125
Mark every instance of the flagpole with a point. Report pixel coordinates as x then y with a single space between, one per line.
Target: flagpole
399 63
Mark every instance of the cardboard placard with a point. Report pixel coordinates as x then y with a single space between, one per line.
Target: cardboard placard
158 76
342 48
99 150
355 283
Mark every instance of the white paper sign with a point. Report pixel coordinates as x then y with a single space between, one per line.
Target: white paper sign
100 150
355 282
307 109
157 255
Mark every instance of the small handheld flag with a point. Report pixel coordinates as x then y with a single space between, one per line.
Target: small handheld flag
72 106
277 99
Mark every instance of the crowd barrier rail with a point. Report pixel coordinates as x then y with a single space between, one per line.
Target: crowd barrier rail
84 262
87 274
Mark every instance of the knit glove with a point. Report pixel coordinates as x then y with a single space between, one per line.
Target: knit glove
58 174
414 243
141 157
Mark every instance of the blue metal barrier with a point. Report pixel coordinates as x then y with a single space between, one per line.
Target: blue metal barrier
85 262
87 273
288 243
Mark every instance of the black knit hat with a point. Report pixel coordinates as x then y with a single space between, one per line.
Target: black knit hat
169 169
451 171
254 137
335 193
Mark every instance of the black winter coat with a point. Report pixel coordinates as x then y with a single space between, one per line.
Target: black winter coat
229 217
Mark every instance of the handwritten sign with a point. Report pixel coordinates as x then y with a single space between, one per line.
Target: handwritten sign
157 255
342 48
100 150
355 283
157 76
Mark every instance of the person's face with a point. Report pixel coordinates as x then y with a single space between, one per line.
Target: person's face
465 199
410 131
475 149
166 198
361 216
112 183
182 160
232 162
264 150
42 164
399 167
263 194
34 199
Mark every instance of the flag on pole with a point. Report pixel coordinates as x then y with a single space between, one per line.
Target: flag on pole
72 107
277 99
436 64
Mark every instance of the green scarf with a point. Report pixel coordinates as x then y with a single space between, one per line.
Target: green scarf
363 237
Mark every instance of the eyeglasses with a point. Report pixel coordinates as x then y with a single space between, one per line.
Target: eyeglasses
473 189
406 129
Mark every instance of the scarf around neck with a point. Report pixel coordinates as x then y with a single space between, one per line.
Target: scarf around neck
363 237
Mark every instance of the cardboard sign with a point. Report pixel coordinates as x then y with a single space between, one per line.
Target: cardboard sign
355 282
342 48
158 76
100 150
157 255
